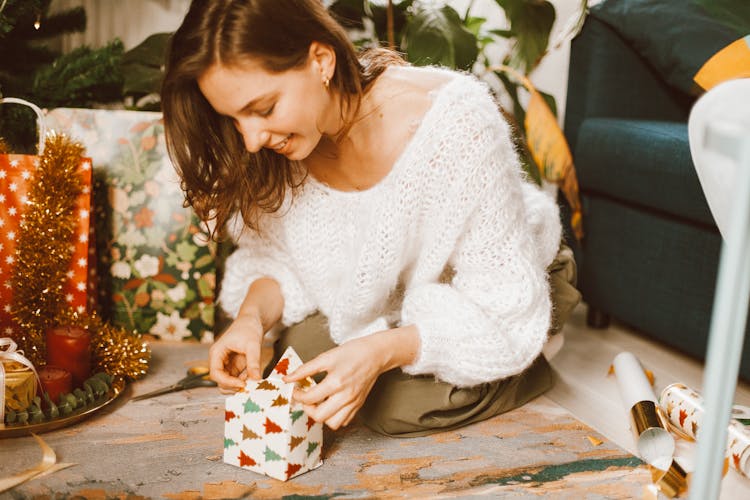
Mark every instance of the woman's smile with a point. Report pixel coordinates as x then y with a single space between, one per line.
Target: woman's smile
281 146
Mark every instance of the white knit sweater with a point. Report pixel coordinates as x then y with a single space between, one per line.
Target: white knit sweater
453 240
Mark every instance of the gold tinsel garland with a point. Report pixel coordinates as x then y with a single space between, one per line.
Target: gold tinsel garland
43 254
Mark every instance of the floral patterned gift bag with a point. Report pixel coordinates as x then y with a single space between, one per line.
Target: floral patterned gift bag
160 264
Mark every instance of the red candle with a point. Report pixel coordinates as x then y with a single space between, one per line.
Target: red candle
55 381
69 347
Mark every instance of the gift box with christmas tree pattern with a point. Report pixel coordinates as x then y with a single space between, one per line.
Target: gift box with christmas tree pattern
266 431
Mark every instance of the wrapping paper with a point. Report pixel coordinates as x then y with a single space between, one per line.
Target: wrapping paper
684 407
266 432
655 444
157 265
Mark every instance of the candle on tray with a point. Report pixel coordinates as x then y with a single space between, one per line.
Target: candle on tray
69 347
55 381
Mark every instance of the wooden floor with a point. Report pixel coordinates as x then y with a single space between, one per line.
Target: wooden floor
585 389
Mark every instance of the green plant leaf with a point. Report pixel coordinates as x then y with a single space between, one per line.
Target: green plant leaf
474 24
550 100
438 36
143 65
378 13
503 33
531 22
349 13
735 13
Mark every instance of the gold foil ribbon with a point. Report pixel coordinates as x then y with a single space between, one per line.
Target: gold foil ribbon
672 482
46 466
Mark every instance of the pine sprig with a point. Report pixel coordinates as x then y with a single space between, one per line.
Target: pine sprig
81 77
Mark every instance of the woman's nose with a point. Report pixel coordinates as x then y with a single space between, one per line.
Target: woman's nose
253 136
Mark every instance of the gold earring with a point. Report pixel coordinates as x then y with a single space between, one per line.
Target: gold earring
326 82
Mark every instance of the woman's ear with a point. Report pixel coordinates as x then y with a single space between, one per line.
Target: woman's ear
323 59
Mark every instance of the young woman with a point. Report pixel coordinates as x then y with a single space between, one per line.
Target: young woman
380 214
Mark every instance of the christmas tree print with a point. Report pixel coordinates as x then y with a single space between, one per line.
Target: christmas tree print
251 406
228 442
295 442
291 469
246 461
265 385
271 427
282 366
280 401
271 455
297 414
229 415
310 423
311 448
248 434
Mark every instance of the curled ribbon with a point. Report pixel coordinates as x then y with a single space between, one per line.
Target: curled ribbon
9 352
47 465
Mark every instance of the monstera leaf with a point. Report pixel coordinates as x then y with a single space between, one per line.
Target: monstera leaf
143 66
439 36
530 25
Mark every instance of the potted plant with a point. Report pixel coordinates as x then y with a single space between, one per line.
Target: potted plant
434 33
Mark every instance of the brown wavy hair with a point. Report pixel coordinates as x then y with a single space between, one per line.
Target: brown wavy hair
219 176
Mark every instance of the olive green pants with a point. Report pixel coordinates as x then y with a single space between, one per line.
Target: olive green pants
403 405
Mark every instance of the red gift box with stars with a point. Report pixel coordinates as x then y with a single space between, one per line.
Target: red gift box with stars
16 176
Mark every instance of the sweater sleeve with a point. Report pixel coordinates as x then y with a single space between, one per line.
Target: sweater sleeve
491 320
259 256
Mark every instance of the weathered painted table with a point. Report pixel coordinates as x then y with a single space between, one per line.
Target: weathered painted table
171 447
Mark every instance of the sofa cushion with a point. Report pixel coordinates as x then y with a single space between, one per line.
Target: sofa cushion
677 36
645 163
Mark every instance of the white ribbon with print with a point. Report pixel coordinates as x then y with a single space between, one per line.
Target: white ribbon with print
685 409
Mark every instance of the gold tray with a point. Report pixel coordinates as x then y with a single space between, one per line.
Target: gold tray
118 385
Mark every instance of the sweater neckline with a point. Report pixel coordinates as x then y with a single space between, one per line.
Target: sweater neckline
438 95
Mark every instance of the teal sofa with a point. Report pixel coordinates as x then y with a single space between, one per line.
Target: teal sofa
650 254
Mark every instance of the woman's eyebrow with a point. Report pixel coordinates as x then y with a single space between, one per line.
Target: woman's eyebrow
254 102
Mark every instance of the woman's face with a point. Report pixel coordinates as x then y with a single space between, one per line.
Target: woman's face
286 112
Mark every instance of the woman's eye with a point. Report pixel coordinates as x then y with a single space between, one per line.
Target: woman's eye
268 111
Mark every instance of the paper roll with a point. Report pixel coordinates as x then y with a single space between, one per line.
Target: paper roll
631 380
655 444
684 408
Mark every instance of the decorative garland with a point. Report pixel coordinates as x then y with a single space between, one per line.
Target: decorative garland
43 254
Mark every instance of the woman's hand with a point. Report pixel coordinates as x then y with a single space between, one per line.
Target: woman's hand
235 357
351 370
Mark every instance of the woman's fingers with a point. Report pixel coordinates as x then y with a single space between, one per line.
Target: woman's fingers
315 394
312 367
219 358
332 413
